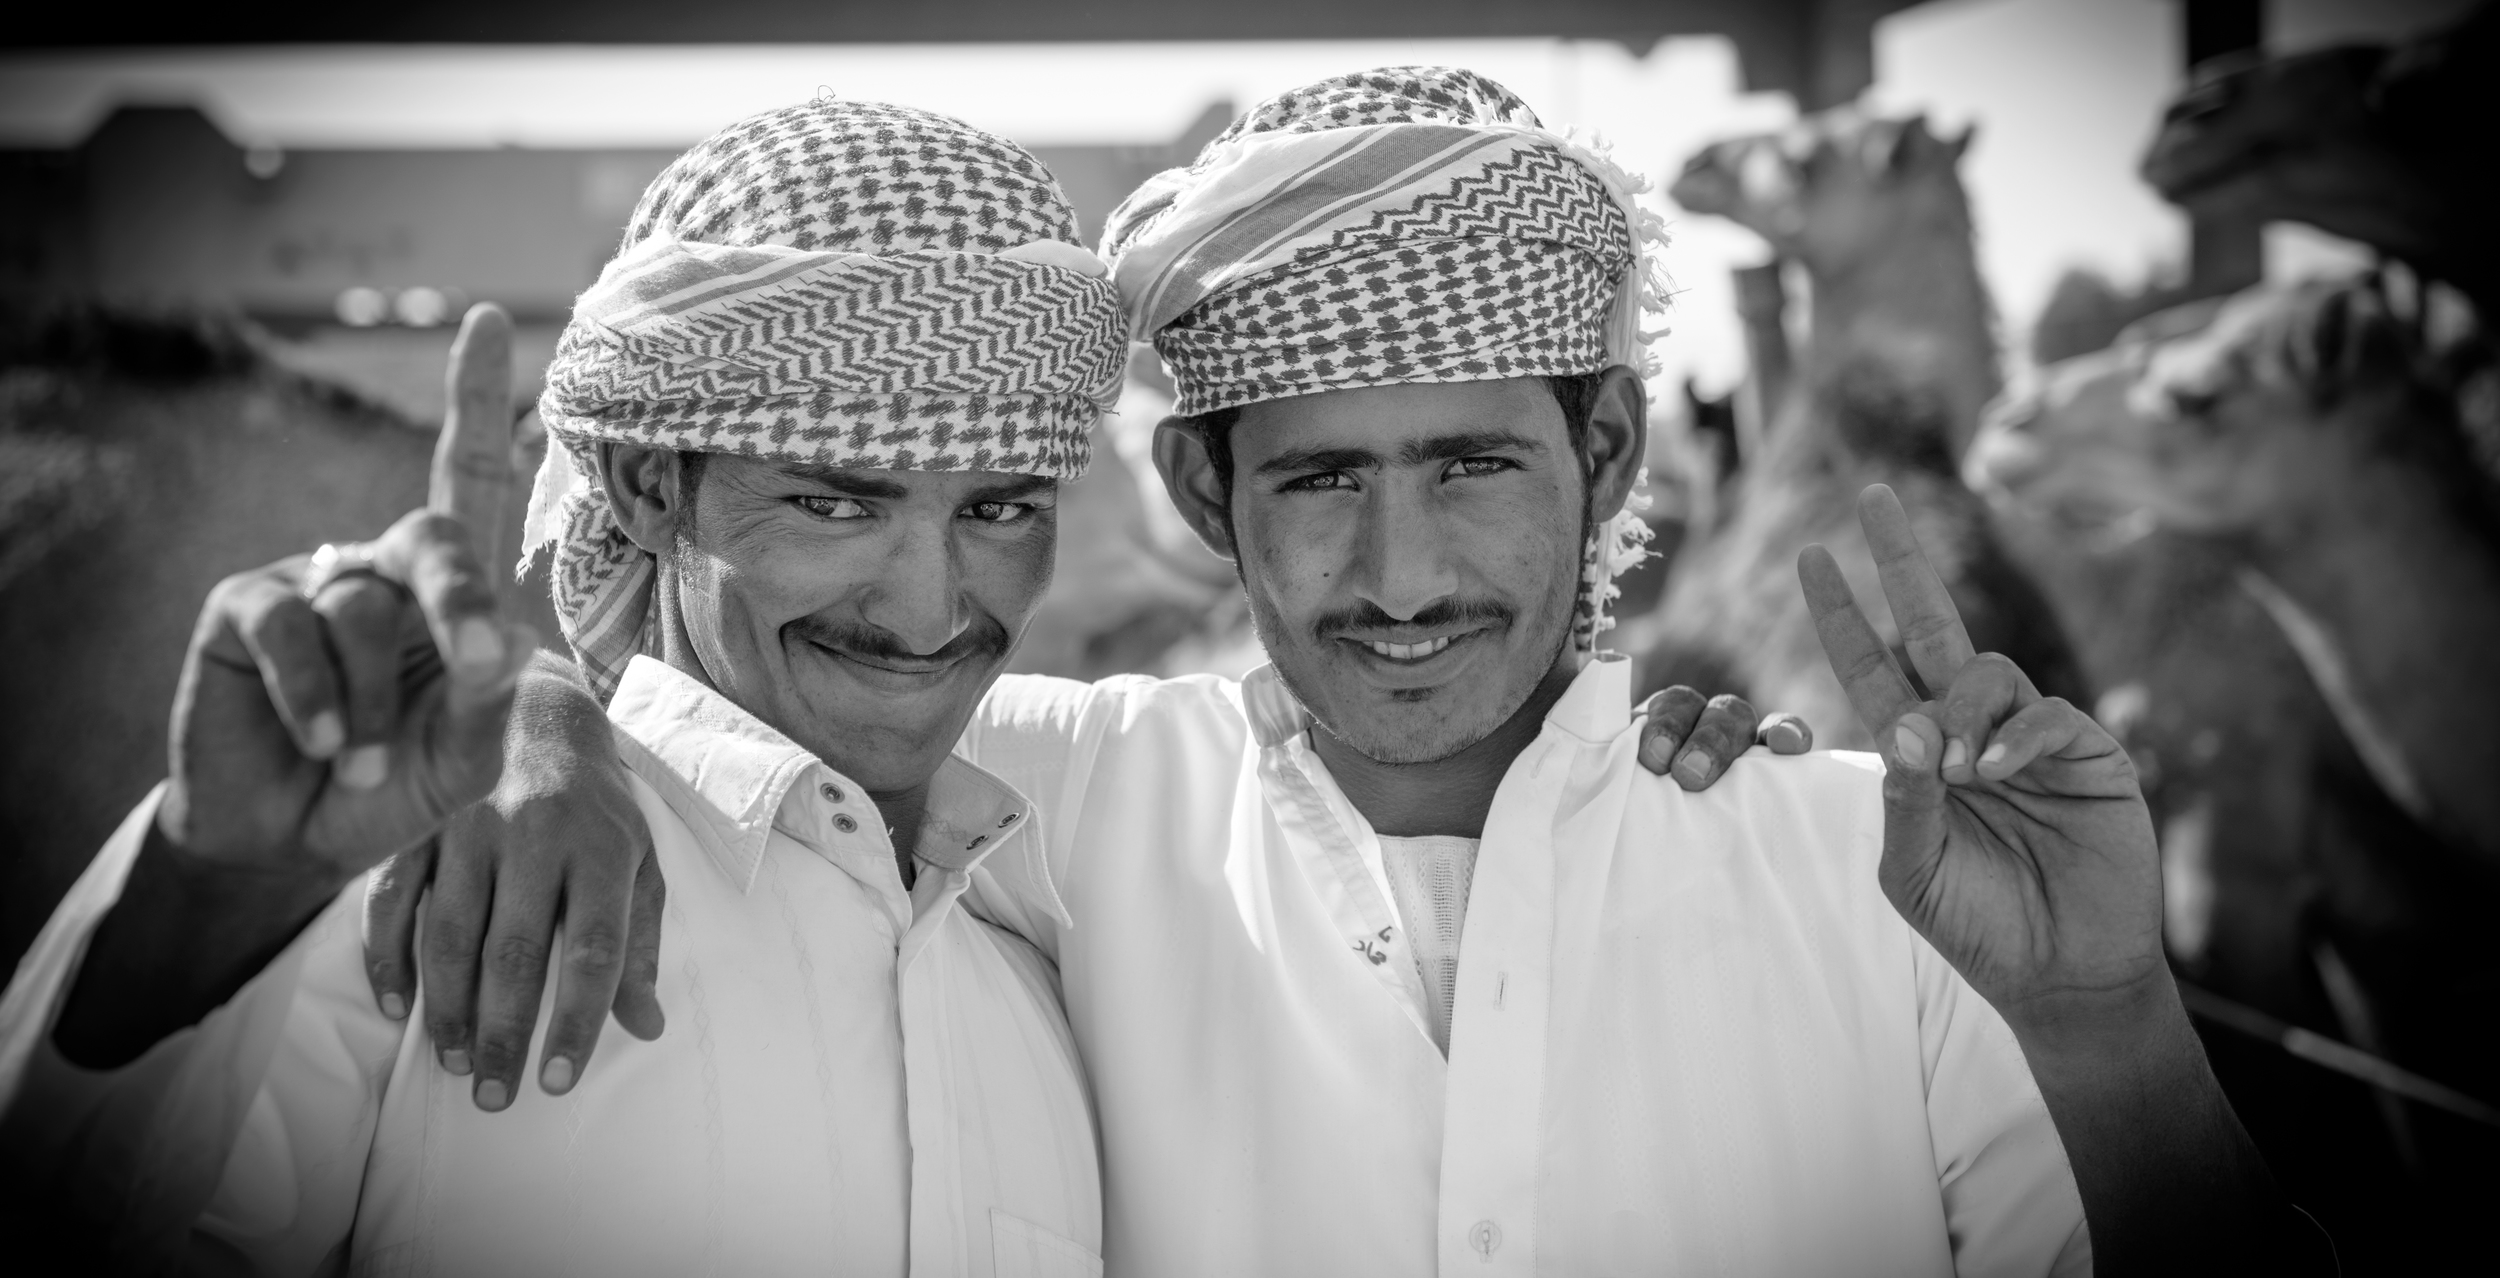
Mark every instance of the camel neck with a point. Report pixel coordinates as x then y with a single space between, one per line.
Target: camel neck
1919 305
2407 592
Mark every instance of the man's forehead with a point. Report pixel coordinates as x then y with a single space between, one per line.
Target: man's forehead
897 480
1373 413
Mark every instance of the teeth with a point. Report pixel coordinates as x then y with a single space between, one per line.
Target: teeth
1408 651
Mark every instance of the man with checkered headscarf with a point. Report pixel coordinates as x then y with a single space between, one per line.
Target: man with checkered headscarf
807 431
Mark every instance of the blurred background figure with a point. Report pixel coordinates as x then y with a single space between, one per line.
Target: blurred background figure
2166 318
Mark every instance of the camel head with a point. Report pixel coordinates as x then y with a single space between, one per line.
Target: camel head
2372 143
1828 189
2216 417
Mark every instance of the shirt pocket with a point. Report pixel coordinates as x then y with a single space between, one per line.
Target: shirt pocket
1021 1249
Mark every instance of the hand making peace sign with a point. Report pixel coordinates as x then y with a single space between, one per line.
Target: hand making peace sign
2016 837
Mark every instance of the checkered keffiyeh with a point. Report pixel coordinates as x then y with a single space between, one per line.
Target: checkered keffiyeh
842 283
1410 224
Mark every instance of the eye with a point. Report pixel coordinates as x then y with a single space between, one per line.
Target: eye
998 512
1325 481
832 507
1472 467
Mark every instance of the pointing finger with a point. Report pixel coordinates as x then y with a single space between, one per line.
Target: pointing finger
473 477
1931 627
1877 689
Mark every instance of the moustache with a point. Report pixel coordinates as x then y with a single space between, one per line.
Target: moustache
1366 615
985 637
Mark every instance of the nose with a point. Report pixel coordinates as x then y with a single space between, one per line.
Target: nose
1402 557
918 594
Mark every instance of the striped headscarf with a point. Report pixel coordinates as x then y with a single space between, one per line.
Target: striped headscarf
841 283
1410 224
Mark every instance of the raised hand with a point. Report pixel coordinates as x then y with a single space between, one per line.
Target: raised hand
560 837
2016 838
330 716
334 710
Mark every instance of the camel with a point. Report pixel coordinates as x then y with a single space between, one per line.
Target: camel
1889 388
1874 210
2317 665
2372 143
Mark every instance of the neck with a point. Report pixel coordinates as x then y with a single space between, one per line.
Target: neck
902 810
1917 305
2407 595
1452 795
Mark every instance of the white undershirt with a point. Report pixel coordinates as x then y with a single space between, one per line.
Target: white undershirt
1430 876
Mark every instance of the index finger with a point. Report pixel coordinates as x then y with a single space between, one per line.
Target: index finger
472 477
1931 627
1877 689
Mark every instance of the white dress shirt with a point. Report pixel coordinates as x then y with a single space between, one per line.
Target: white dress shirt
1689 1035
854 1079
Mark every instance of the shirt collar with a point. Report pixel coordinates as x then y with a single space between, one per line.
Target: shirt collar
1595 708
732 778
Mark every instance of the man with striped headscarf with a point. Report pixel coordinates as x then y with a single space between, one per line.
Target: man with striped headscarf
1396 958
807 431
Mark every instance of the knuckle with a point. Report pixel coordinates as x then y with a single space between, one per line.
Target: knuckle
515 959
594 948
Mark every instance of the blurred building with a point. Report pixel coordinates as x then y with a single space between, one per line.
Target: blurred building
158 208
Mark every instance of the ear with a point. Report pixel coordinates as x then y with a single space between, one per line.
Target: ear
1885 145
1189 477
642 488
1959 143
1618 441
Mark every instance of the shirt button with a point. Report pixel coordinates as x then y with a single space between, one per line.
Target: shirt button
842 821
1485 1238
833 793
1009 819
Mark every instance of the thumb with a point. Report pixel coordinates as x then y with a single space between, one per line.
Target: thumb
1914 796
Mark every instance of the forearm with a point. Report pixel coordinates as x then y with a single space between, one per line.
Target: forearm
2169 1179
185 935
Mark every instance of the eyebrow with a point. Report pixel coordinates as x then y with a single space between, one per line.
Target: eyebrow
1414 452
863 483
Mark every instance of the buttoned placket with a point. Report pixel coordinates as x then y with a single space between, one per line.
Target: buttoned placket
1493 1101
854 837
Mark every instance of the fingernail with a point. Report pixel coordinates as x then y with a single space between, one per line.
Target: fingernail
1654 752
1993 754
491 1095
1694 768
395 1007
1907 744
364 767
556 1075
476 645
326 734
1786 737
456 1061
1956 753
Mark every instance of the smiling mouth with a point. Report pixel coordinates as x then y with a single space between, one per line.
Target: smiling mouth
911 668
1407 651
